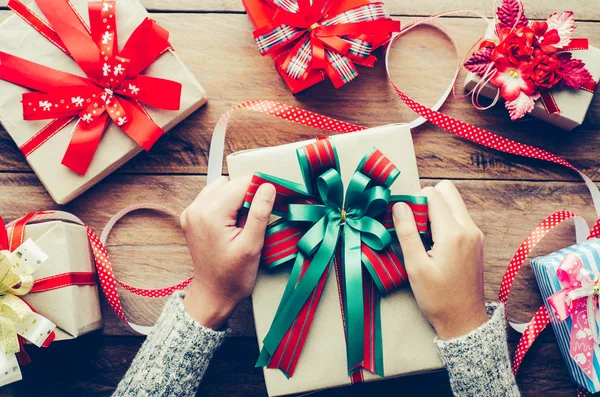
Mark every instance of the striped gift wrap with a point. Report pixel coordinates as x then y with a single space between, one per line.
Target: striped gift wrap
544 270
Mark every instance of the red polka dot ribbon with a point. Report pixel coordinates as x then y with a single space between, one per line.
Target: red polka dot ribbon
525 249
108 280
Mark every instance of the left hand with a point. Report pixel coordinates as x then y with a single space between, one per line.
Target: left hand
225 254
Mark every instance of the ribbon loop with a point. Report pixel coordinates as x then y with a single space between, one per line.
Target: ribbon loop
331 189
312 239
378 198
355 195
372 232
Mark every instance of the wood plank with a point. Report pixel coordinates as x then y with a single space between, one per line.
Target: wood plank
220 51
94 364
587 10
148 250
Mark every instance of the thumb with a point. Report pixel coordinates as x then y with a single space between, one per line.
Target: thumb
258 216
408 235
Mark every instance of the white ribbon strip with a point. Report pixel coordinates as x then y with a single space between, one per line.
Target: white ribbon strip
29 257
9 369
36 329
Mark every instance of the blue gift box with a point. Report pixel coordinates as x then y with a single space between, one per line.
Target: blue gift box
544 269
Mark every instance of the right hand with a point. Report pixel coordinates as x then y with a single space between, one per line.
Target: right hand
447 281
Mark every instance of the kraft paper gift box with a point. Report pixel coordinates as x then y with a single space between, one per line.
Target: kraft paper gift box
74 309
573 104
407 336
544 269
115 148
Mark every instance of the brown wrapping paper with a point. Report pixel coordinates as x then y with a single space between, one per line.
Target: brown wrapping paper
75 309
573 104
407 336
116 148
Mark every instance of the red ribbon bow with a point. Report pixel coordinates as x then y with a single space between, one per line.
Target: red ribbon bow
114 87
323 41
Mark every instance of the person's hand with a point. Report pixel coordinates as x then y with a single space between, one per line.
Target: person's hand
447 281
225 254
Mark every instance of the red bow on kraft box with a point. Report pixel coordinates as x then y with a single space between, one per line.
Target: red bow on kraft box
310 41
113 90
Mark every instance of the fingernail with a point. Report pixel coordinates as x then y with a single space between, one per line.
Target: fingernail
400 210
267 192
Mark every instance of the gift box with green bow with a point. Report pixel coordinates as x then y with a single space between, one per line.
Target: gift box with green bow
335 227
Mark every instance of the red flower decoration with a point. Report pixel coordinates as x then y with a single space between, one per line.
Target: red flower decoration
546 69
546 39
531 58
517 45
513 79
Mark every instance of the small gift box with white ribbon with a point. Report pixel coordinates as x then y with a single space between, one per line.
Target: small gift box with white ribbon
48 286
383 333
86 86
568 282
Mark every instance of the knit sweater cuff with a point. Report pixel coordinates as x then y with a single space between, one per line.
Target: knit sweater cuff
478 362
174 357
184 329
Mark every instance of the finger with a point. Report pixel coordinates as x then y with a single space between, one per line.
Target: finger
213 186
441 219
408 235
227 200
455 202
258 216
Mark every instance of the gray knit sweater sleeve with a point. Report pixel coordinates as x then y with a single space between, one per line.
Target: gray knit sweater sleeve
478 363
174 357
172 360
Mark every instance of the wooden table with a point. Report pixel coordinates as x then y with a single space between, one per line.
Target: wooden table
507 196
